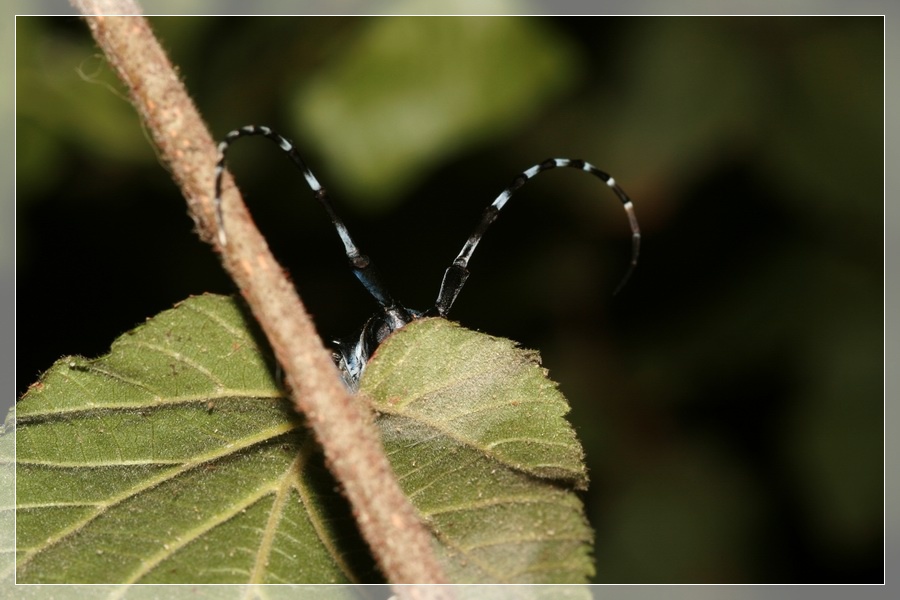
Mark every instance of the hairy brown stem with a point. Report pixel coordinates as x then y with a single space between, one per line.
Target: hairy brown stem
342 424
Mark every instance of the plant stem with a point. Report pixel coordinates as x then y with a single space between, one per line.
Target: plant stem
342 423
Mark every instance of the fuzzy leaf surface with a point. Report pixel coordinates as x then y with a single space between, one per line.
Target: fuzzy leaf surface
175 458
477 437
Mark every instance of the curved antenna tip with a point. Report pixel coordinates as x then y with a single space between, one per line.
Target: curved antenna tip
635 250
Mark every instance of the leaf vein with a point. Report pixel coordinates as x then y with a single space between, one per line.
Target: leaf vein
151 482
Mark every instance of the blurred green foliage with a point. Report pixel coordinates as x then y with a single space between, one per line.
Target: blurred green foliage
415 91
66 95
730 399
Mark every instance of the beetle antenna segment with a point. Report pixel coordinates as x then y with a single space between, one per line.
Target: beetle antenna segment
361 265
456 274
352 354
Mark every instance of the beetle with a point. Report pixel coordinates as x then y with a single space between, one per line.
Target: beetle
351 354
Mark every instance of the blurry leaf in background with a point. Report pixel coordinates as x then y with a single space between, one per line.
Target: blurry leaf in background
835 449
67 103
825 134
411 92
693 90
693 515
70 111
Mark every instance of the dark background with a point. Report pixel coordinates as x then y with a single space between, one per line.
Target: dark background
730 398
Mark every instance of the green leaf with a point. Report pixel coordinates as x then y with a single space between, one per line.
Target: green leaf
7 500
481 391
176 458
476 435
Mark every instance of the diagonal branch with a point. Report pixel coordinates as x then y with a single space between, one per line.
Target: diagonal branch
342 424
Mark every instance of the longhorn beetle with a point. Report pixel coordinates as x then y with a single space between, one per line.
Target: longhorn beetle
352 354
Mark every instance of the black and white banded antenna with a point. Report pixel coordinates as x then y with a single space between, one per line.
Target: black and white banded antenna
353 353
360 264
456 274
